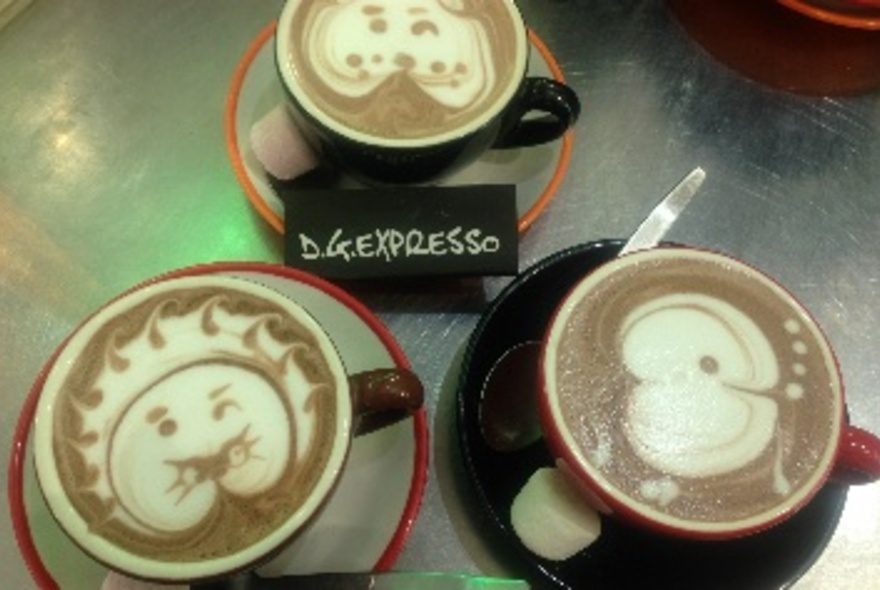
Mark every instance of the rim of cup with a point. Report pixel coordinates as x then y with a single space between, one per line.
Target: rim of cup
117 558
285 68
599 490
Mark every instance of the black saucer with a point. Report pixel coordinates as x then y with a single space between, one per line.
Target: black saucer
623 557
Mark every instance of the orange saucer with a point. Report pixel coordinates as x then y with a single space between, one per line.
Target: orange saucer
537 171
767 42
858 14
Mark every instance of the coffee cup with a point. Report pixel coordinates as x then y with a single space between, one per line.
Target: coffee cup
193 426
408 92
688 393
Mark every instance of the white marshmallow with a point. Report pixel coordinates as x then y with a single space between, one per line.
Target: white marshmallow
551 519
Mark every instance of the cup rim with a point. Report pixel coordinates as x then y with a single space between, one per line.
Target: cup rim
288 82
601 492
119 559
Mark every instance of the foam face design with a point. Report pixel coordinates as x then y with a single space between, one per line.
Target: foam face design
704 404
692 389
359 44
389 71
172 454
195 421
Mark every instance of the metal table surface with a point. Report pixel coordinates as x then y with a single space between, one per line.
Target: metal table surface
113 169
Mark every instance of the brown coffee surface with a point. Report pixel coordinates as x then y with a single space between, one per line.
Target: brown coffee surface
696 390
195 423
404 70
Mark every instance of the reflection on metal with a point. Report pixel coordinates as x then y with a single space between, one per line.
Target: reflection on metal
113 169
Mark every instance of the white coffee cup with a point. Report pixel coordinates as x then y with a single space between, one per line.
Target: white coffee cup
191 427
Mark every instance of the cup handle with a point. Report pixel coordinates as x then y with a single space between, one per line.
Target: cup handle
381 397
858 457
558 102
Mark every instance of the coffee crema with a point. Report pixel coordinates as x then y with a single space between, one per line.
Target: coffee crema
696 389
194 423
405 69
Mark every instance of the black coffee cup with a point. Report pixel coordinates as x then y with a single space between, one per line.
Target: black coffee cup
398 95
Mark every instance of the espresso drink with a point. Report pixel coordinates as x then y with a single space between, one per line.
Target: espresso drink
695 388
195 421
405 69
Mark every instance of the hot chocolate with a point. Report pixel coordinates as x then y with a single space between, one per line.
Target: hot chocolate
405 70
694 388
192 420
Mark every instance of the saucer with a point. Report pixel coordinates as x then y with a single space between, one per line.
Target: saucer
766 41
367 519
255 90
622 557
845 13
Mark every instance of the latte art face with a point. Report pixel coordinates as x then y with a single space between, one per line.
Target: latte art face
405 69
695 389
724 414
195 423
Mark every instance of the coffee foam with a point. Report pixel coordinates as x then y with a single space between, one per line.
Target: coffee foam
695 388
196 421
402 72
717 423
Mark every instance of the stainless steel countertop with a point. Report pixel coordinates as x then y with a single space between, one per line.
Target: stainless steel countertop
113 169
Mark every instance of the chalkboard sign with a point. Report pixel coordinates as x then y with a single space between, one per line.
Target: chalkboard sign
403 232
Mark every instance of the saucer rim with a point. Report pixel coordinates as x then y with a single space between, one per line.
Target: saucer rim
831 17
22 433
265 211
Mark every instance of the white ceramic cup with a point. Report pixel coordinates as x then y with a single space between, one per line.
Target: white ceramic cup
191 427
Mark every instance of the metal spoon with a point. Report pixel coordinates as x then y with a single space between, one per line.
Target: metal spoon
508 410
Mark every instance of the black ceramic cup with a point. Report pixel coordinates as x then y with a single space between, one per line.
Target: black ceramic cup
393 94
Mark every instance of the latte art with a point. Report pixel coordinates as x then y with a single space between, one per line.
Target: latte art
701 407
403 69
696 389
194 423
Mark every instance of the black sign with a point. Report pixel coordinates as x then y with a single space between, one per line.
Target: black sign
403 232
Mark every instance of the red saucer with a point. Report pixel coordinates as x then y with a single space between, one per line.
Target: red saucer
767 42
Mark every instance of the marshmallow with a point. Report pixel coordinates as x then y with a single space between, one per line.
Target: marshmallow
279 146
551 519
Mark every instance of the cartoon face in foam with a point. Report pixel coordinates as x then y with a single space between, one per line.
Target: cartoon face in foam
195 405
705 371
359 44
211 428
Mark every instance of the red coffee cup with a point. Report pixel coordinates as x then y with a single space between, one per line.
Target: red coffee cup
686 392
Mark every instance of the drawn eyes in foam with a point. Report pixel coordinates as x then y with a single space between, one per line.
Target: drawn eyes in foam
706 399
358 44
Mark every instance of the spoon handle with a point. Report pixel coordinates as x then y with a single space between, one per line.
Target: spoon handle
661 218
